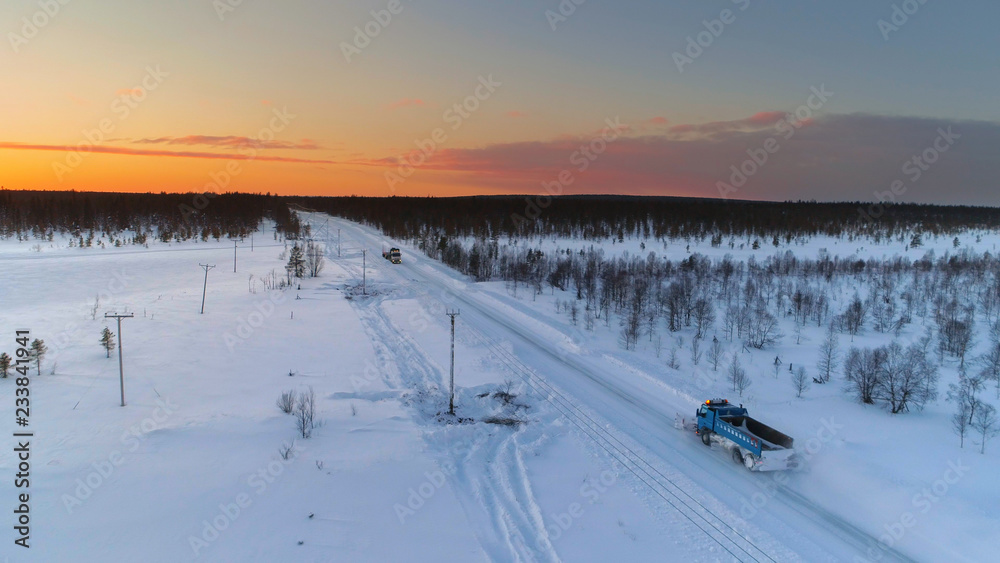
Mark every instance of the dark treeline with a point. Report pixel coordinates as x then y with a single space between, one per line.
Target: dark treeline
932 309
617 217
40 214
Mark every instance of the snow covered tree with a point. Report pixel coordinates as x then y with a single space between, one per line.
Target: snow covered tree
5 362
990 362
762 329
738 376
828 355
985 424
107 341
715 354
696 351
861 370
960 423
800 380
905 377
854 316
704 317
37 352
315 259
296 262
966 392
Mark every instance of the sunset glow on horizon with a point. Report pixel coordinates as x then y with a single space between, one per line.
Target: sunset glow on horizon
732 99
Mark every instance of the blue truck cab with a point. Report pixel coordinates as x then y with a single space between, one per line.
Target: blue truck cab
752 443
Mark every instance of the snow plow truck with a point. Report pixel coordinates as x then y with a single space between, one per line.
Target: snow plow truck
751 443
392 255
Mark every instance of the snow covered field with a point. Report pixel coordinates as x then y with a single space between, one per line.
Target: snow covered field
191 470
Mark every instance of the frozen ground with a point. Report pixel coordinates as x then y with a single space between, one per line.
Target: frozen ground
190 469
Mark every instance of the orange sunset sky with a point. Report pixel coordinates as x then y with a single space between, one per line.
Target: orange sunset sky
733 98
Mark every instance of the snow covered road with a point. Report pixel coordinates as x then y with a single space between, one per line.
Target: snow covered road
629 420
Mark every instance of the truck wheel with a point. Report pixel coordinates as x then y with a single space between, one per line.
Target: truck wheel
749 462
737 456
706 437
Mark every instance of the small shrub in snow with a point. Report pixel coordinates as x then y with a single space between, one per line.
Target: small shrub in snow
305 413
503 394
287 402
5 362
504 420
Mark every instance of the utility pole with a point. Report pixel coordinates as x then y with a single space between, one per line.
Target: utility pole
234 256
364 270
204 288
121 368
251 242
451 399
338 243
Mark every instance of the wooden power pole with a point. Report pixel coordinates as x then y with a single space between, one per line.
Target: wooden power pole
451 398
121 367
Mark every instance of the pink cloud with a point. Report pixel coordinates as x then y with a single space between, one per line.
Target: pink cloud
830 157
227 141
766 117
102 149
657 121
130 92
515 114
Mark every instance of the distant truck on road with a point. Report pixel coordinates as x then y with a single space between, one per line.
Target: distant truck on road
751 443
393 255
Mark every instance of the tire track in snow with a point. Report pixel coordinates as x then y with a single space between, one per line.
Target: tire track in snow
493 473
